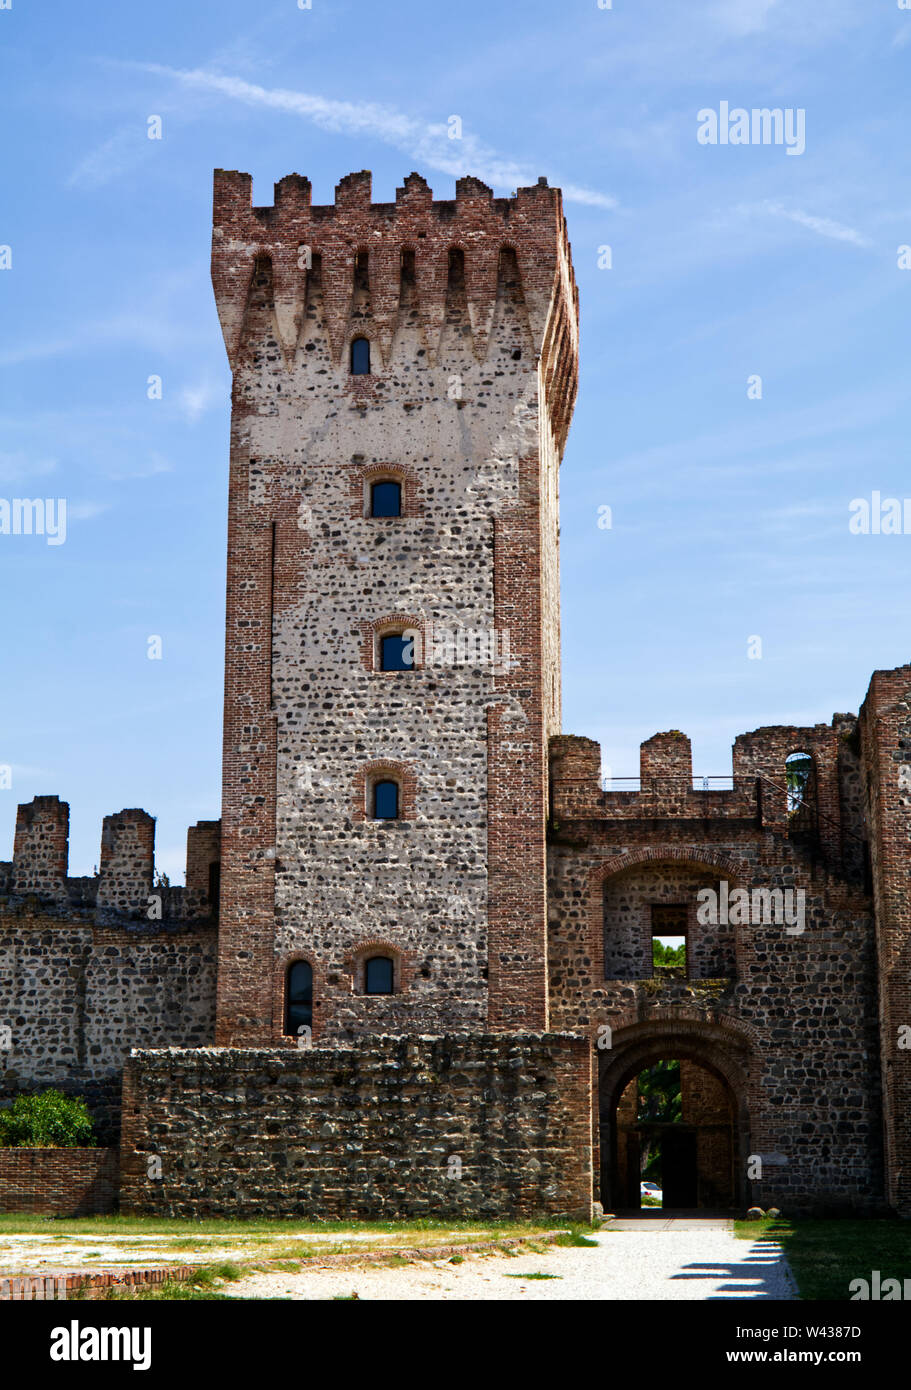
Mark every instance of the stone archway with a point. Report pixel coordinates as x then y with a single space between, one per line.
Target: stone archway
709 1145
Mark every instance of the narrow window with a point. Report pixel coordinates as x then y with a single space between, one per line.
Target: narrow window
299 997
378 975
669 941
396 652
386 499
214 887
386 801
798 770
360 357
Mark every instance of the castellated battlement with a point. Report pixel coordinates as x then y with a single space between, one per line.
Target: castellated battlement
825 808
376 269
125 886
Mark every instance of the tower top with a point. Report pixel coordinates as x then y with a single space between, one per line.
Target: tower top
295 234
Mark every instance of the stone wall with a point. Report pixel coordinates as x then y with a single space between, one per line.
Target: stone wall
58 1182
76 997
491 1126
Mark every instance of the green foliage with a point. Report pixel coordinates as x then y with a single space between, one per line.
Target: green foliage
46 1121
659 1093
668 955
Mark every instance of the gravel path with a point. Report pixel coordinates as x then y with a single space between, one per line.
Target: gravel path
685 1262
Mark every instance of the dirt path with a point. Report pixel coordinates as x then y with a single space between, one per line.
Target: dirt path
686 1262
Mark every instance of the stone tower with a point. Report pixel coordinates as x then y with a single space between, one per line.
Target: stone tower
470 315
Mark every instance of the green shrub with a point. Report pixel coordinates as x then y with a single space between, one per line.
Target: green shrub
46 1121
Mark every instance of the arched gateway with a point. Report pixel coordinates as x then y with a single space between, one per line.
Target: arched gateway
704 1151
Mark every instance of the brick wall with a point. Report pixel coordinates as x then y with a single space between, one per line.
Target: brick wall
58 1182
372 1131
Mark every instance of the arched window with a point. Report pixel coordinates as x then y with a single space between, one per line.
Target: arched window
386 498
798 770
397 652
386 800
360 357
299 997
379 975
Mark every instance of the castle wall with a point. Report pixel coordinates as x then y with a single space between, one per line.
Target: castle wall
484 1126
800 1008
76 997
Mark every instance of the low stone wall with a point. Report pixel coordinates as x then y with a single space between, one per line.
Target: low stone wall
492 1126
58 1182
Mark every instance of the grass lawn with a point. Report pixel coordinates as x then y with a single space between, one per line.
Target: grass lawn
826 1255
42 1245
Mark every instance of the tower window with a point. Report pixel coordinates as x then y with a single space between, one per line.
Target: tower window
669 939
397 652
299 997
214 887
386 499
378 975
360 357
386 801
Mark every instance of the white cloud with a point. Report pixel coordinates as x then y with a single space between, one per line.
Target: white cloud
85 511
196 400
110 159
156 464
426 142
744 16
18 466
823 226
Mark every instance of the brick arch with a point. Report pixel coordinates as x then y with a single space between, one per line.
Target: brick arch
723 864
355 963
364 474
396 771
720 1046
390 622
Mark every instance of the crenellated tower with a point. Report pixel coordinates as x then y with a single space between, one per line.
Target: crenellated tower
404 378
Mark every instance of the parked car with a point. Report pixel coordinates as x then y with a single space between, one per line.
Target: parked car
650 1189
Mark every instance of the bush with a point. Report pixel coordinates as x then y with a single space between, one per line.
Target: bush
47 1121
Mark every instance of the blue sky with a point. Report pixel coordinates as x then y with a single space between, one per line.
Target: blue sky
730 515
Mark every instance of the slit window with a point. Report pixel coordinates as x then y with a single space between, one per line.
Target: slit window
360 357
378 975
386 499
214 886
386 801
397 652
299 999
669 941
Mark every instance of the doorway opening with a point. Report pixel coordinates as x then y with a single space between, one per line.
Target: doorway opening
674 1139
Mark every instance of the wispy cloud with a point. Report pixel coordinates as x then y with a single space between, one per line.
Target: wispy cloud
196 400
18 466
744 16
822 226
427 142
86 511
155 465
111 159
